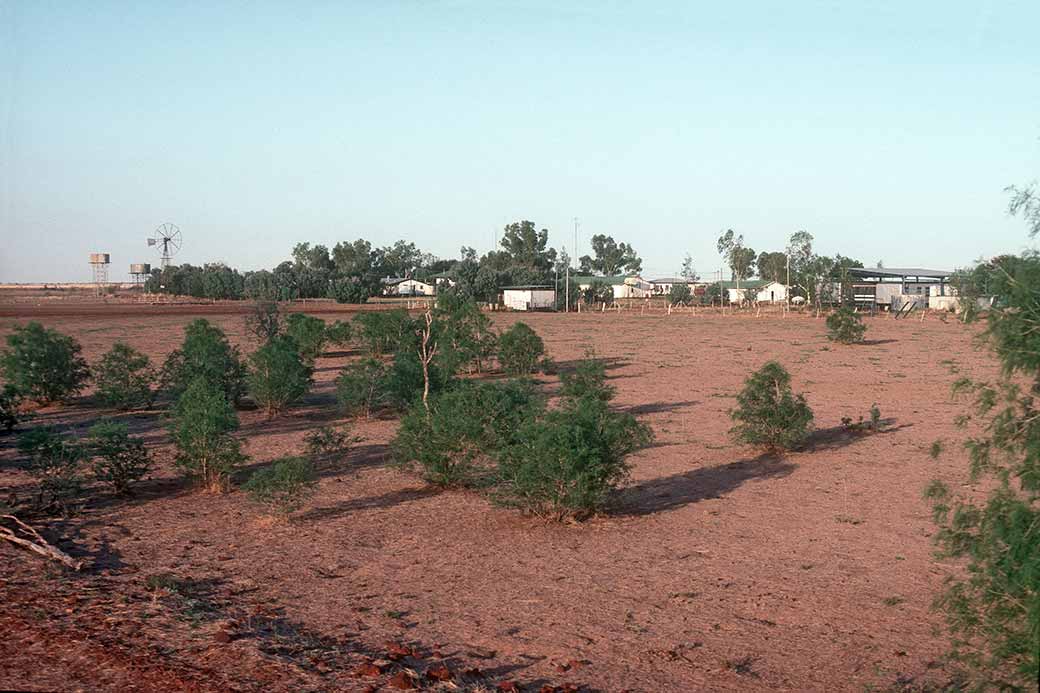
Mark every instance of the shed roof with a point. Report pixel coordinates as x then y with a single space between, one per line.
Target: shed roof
612 281
529 287
674 280
900 272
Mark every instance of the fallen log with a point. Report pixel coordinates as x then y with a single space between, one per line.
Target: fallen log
25 536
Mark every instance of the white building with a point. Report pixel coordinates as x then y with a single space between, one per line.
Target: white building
535 297
755 290
403 286
663 286
632 286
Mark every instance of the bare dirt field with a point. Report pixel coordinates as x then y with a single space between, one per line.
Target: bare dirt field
719 569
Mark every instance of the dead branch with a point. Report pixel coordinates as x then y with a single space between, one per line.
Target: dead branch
25 536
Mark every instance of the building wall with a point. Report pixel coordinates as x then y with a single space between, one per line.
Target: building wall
529 299
411 287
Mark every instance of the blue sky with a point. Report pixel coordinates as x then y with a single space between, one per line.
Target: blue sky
886 129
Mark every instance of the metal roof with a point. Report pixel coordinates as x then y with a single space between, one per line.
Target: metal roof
529 287
674 280
900 272
614 280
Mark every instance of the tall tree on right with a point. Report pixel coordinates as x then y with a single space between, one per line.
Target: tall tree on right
993 607
611 258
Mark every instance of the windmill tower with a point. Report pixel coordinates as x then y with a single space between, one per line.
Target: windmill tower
167 240
99 263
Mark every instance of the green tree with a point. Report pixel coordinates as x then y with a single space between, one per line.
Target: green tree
519 349
587 380
54 462
278 375
10 407
598 291
688 272
43 364
201 424
993 607
284 486
124 378
207 354
772 267
768 413
360 387
680 294
527 247
611 258
740 259
264 320
309 334
846 326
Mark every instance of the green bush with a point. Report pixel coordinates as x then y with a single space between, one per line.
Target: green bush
207 354
519 349
680 294
44 365
284 486
309 333
846 326
588 379
11 407
768 413
360 387
202 420
124 378
463 331
278 375
569 462
119 459
264 320
454 443
326 441
339 333
404 380
55 464
385 332
598 292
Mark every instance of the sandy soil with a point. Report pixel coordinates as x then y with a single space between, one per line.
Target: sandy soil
719 569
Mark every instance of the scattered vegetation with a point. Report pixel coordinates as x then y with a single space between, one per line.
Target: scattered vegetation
264 321
278 375
206 354
284 486
43 364
588 379
845 326
361 387
118 458
382 332
309 334
11 413
202 420
768 413
519 349
54 462
870 425
124 378
326 441
680 295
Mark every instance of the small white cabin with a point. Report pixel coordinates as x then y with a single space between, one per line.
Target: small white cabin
529 297
401 286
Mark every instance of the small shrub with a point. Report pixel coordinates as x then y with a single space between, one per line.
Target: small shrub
284 486
598 292
124 378
589 379
769 414
55 464
326 441
11 407
404 382
207 354
680 294
569 462
870 425
936 450
845 326
453 444
264 321
201 424
360 387
44 365
278 375
309 333
119 459
339 333
384 332
519 349
548 366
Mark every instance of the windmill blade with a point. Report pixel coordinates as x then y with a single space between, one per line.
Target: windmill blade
151 241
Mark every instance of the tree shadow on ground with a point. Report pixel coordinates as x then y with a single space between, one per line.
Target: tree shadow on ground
837 437
670 492
385 500
610 363
657 407
877 342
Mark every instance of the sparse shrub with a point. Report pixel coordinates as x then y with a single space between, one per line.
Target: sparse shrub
768 413
11 407
326 441
42 364
519 349
453 444
404 382
680 294
264 320
360 387
568 463
384 332
124 378
588 379
464 331
207 354
598 291
339 333
870 425
54 462
278 375
936 450
201 425
309 333
548 366
846 326
119 459
284 486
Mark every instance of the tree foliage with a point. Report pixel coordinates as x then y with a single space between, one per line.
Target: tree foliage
739 258
846 326
118 458
11 413
768 413
205 353
309 334
201 423
284 486
519 349
680 294
610 257
54 461
125 378
43 364
278 375
361 387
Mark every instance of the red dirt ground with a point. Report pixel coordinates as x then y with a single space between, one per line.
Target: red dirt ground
720 569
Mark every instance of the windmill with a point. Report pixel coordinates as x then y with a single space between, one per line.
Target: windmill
167 239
